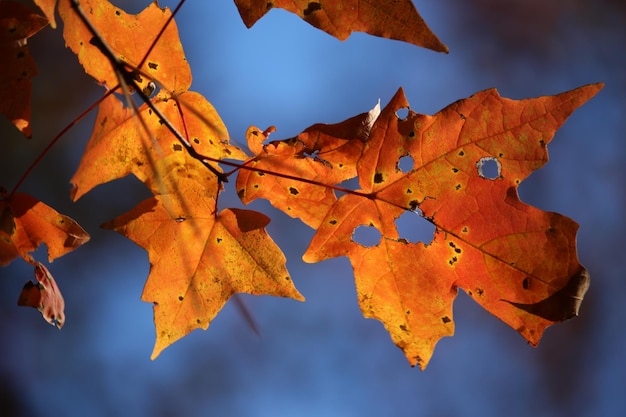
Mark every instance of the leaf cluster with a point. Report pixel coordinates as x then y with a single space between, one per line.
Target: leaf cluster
518 262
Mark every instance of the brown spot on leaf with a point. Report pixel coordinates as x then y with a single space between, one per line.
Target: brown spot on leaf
378 178
311 7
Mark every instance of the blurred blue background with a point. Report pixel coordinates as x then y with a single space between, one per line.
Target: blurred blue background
321 357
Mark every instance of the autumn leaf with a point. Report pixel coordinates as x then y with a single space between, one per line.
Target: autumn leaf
130 37
45 296
17 24
25 223
321 153
384 18
200 259
119 144
518 262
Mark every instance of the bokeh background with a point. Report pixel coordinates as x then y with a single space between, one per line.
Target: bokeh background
321 357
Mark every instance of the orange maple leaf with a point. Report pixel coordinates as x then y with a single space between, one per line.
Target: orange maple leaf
518 262
387 19
200 259
17 24
321 153
173 143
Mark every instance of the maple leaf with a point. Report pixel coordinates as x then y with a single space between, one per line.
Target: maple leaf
518 262
199 259
322 152
130 37
17 24
384 18
45 296
25 223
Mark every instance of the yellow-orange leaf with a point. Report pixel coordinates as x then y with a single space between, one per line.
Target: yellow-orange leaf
25 223
200 259
119 144
17 24
518 262
391 19
130 38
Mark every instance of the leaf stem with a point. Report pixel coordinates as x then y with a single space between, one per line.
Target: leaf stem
55 140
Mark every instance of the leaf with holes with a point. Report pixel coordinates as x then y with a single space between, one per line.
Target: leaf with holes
518 262
199 259
321 153
17 24
387 19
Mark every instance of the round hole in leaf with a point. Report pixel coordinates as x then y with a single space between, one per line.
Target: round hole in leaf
366 236
405 164
489 168
413 227
402 113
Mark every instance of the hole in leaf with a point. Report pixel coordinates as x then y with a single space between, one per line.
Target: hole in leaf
489 168
366 236
405 164
402 113
351 184
413 227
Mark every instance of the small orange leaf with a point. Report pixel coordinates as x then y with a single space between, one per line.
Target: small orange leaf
45 296
25 223
199 259
322 153
17 24
391 19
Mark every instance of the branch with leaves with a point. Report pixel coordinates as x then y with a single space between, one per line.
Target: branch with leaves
518 262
